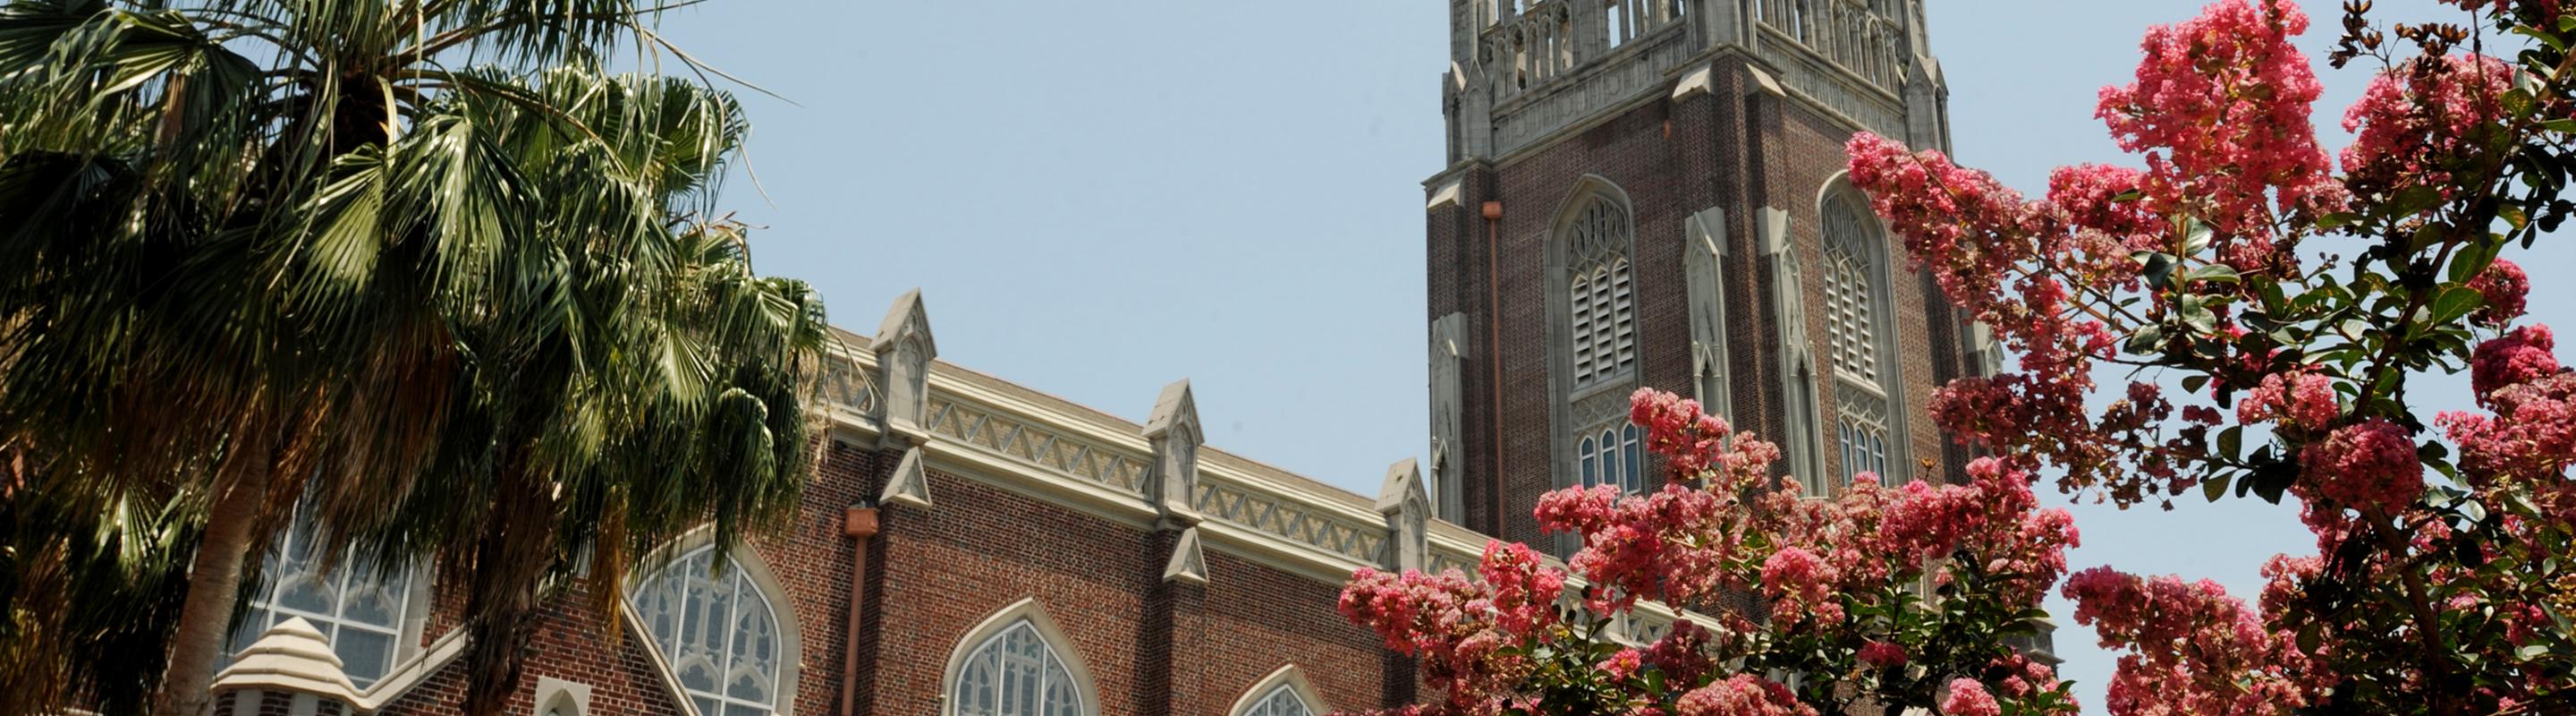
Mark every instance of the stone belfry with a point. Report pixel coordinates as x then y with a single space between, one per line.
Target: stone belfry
1649 193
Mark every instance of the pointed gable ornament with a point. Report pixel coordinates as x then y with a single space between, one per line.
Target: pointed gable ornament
1173 430
910 483
904 349
1188 562
1407 510
292 659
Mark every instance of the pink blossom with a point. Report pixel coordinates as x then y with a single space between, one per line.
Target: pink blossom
1741 695
2301 399
2370 466
2220 107
1966 697
1882 654
2418 115
2518 357
1795 578
2531 439
2506 290
2235 666
1622 665
1682 654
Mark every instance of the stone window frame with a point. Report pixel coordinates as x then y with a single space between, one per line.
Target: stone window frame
1027 611
1863 404
417 604
740 558
1579 408
1286 680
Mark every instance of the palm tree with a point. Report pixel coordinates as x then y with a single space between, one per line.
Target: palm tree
422 251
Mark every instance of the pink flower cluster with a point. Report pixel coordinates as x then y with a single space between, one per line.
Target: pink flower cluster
2233 665
1799 584
2518 357
2369 466
2220 108
2506 290
1966 697
2419 115
1882 654
1741 695
2302 399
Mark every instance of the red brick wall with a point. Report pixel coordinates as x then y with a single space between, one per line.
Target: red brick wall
570 645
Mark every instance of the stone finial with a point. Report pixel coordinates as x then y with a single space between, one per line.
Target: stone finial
291 658
1188 562
1408 516
904 348
910 482
1173 429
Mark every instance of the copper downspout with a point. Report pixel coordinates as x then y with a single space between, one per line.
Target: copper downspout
860 523
1494 345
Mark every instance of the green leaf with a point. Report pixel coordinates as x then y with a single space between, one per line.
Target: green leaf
2215 273
2215 487
2198 316
2193 383
2337 220
2231 441
2454 303
2196 236
2413 201
2560 125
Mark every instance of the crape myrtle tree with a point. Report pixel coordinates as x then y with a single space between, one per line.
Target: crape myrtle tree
424 267
2290 296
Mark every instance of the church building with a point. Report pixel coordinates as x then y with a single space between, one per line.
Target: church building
1639 193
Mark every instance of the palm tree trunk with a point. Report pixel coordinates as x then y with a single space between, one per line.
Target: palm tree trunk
511 558
214 578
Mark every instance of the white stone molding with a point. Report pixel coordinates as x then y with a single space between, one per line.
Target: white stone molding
1927 116
1286 676
1408 514
1188 562
910 483
557 696
1449 353
1027 610
1447 194
1796 359
904 349
1704 272
291 657
1698 81
1174 433
782 608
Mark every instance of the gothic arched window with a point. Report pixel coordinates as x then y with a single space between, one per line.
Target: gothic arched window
1597 245
719 631
1857 336
1601 293
1283 693
369 615
1016 673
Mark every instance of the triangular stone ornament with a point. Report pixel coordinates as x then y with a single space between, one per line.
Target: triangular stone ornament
1188 563
910 482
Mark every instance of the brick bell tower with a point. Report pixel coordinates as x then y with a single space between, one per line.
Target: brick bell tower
1649 193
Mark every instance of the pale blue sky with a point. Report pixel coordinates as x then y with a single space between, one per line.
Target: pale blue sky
1099 198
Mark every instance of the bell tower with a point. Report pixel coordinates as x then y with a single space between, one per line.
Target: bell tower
1648 193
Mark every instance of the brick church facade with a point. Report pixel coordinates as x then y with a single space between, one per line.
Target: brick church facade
1640 193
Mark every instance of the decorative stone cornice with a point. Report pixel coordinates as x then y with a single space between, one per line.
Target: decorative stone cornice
904 348
1174 432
